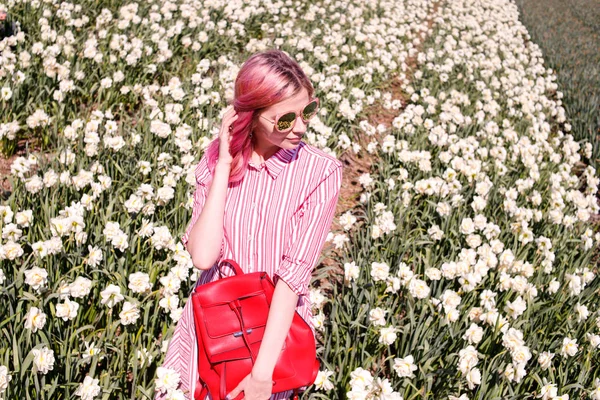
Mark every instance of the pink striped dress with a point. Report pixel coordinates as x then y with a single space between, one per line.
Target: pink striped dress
276 220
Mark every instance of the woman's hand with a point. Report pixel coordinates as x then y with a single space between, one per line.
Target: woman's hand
225 135
253 389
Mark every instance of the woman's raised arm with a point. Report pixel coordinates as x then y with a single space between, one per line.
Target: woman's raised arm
205 231
204 236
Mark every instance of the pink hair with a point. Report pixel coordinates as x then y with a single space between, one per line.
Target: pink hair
264 79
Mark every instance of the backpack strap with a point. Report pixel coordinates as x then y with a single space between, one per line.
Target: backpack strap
201 390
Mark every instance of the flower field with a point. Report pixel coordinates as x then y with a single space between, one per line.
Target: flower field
469 261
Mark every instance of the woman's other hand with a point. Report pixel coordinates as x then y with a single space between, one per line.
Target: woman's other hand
225 135
254 389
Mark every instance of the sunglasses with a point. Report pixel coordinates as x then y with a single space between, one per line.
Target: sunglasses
286 121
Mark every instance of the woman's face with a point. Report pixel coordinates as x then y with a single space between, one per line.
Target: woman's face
265 134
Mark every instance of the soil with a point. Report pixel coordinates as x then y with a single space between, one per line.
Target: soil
25 147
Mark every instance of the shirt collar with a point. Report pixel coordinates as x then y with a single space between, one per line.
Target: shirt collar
277 162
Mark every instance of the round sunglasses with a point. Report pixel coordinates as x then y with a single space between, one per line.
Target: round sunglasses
285 122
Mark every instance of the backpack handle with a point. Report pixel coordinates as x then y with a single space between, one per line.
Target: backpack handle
231 263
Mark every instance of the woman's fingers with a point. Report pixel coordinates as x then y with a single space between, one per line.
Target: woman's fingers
231 121
229 117
227 124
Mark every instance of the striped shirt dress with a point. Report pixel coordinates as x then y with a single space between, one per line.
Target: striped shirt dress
276 220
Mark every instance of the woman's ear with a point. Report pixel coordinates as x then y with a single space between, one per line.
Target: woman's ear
254 123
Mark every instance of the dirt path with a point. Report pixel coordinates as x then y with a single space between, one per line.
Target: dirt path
24 147
357 164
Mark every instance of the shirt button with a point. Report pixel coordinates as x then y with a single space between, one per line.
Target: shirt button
250 237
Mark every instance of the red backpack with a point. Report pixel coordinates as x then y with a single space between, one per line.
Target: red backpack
230 315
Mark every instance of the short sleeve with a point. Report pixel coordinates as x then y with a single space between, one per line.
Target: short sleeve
307 240
200 195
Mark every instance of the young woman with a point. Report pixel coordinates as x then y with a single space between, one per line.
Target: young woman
267 200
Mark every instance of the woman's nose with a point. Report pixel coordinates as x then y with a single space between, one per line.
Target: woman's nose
299 126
